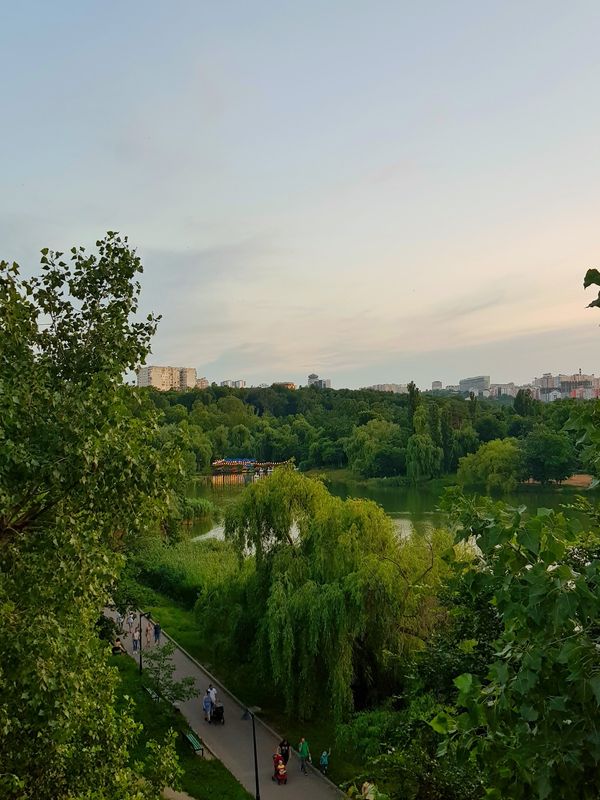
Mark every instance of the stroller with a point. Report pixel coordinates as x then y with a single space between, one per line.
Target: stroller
279 770
218 714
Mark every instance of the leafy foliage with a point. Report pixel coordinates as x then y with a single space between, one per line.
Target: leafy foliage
339 590
80 472
159 673
497 466
532 721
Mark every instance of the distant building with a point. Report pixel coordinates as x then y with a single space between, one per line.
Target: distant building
286 384
554 387
239 384
500 389
226 383
202 383
166 379
436 386
480 384
453 387
396 388
263 385
319 383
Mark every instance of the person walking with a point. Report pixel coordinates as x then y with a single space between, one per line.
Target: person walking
304 753
130 621
148 633
207 706
213 696
157 632
284 750
324 761
136 639
119 622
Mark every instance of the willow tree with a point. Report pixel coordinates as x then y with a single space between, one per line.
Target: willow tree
79 472
343 595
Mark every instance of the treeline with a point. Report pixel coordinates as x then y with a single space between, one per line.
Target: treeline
375 434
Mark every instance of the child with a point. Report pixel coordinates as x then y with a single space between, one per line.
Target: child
324 761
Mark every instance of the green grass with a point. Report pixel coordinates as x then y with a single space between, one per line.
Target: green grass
202 779
241 679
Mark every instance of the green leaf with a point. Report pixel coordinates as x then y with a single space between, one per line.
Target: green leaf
443 723
592 276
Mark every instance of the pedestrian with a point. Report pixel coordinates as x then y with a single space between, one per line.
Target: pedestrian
136 639
324 761
284 750
130 621
304 753
148 633
213 695
207 706
157 632
119 622
117 648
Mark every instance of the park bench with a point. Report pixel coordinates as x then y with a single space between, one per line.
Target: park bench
152 694
195 743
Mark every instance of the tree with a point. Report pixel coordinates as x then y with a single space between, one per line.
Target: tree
489 427
80 472
423 458
548 455
340 591
524 404
414 399
159 674
377 449
497 467
532 722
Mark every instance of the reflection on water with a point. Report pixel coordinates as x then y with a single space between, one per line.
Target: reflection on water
412 509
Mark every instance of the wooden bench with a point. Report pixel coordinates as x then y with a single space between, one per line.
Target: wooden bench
152 694
195 743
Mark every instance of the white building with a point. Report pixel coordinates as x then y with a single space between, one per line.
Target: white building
239 384
166 379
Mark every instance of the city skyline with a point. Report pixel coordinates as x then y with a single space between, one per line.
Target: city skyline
362 191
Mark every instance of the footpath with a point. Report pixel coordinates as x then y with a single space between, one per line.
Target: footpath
231 743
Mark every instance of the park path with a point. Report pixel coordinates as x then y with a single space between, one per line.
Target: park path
232 743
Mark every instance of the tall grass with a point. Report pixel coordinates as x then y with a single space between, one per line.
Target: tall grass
186 570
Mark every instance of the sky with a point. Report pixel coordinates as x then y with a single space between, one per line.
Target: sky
371 191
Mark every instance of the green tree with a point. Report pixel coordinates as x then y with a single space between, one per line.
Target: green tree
377 449
79 474
490 427
496 467
414 399
532 723
548 456
423 458
341 592
524 404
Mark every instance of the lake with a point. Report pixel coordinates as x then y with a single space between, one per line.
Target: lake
413 509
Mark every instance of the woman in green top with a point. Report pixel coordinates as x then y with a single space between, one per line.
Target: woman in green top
304 753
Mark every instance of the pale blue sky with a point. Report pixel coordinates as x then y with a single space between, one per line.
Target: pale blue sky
374 191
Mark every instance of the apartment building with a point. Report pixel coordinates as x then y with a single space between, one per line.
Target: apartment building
202 383
166 379
319 383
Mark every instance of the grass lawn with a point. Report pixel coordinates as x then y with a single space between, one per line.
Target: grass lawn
240 679
204 780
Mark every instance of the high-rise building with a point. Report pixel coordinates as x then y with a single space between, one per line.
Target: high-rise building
226 383
202 383
480 384
436 386
319 383
166 379
239 384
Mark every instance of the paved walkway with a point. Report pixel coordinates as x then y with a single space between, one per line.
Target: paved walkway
232 742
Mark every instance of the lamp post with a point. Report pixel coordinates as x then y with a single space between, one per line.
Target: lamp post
148 615
250 715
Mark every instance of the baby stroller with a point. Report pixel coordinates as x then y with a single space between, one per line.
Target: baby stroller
218 714
279 770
